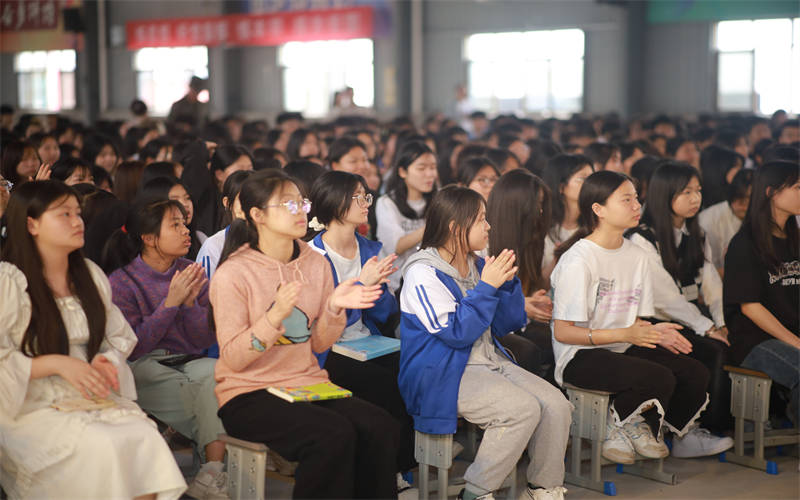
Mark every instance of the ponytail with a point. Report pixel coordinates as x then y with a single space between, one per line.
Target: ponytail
597 188
125 243
241 232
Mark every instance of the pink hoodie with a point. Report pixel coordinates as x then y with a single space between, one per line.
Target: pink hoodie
241 292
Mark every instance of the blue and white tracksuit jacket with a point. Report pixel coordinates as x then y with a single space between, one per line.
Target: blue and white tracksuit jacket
439 325
384 307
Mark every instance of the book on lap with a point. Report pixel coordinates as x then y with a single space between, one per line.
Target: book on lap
370 347
82 404
314 392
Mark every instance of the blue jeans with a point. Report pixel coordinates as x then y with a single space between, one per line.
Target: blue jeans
781 362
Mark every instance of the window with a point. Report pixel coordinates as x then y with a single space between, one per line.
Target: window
539 71
314 71
46 79
163 74
759 65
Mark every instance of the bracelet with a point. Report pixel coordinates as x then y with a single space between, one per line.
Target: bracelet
591 341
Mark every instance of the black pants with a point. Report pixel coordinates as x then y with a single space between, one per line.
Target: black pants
713 354
525 352
677 381
539 334
346 448
375 381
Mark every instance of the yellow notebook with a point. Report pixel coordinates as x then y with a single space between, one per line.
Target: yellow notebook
314 392
82 404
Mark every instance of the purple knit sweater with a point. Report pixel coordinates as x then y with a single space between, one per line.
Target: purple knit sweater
139 291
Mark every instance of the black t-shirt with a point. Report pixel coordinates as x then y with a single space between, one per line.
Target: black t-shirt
747 279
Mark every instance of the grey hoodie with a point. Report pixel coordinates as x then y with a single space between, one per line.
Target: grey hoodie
483 350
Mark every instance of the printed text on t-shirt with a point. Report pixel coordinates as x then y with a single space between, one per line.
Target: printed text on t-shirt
619 301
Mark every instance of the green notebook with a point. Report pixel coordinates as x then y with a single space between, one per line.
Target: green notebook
314 392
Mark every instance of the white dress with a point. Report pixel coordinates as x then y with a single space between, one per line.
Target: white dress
45 453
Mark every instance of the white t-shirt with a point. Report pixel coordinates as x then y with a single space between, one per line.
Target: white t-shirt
720 224
211 251
392 225
599 289
550 245
345 270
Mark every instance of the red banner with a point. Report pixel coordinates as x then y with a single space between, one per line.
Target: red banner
252 29
23 15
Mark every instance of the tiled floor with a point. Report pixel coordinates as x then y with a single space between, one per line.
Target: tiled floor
703 478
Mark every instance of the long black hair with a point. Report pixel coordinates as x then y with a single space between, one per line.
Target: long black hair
715 163
519 213
666 183
145 217
46 333
758 222
556 175
397 188
597 188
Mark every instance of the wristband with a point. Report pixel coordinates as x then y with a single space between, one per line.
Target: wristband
591 341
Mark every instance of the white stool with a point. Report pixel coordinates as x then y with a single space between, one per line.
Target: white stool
247 468
437 450
589 422
750 391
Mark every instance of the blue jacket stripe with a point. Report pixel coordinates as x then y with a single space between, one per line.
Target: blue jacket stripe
433 311
425 307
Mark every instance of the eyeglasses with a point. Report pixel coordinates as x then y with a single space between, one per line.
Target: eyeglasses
7 185
364 200
293 206
486 181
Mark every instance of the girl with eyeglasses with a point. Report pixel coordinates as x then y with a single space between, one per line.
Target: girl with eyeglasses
479 174
276 306
164 297
340 202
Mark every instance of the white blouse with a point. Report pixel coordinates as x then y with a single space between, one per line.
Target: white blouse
33 435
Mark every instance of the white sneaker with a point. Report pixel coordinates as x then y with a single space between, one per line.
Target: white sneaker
556 493
402 484
641 436
277 463
207 486
617 447
699 443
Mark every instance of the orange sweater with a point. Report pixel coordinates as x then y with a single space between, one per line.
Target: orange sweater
241 292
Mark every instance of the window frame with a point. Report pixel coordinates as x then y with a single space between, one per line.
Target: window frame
496 104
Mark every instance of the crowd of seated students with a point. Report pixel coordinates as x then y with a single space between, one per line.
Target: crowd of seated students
176 270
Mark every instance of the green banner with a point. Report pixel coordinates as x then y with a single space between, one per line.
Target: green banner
677 11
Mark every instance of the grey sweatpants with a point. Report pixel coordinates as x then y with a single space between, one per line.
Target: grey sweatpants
516 409
181 396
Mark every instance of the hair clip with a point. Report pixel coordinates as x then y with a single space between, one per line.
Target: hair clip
124 229
315 224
